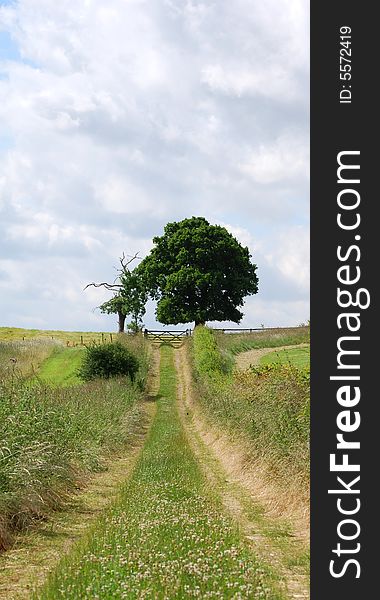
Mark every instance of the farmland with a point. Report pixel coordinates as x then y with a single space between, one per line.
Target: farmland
176 450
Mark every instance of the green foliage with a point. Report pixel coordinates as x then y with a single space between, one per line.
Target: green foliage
108 360
207 356
198 272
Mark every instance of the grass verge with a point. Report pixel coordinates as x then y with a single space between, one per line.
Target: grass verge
268 409
168 536
53 436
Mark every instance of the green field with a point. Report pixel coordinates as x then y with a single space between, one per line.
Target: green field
299 357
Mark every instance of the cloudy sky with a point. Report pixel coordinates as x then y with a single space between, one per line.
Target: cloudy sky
119 116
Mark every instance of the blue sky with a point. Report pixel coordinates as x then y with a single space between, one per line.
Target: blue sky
118 117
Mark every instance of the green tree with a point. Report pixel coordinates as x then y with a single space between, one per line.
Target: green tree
130 296
198 272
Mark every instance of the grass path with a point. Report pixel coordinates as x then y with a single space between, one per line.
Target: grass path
297 356
169 535
60 369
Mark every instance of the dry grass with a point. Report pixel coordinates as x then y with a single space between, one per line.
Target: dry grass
69 338
23 358
271 338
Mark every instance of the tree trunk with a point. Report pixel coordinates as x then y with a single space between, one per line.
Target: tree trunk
122 318
200 323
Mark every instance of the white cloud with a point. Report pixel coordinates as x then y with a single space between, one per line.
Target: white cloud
121 196
285 159
124 115
291 256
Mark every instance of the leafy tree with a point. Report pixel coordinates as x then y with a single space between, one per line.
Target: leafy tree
198 272
130 296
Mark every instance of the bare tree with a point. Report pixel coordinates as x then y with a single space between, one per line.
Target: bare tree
129 294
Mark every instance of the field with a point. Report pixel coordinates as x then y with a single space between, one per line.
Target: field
65 337
299 357
183 517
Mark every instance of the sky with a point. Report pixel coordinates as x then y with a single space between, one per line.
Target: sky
117 117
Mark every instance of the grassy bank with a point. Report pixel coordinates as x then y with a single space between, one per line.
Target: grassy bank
267 406
168 536
52 436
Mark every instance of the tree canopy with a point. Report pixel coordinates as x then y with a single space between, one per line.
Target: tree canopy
198 272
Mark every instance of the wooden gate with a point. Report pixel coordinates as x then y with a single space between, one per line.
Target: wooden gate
173 337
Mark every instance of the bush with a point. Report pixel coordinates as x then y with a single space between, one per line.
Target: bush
108 360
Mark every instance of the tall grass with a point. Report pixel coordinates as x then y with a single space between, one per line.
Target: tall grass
140 348
23 358
208 357
52 437
268 407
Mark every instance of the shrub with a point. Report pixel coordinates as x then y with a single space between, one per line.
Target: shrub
108 360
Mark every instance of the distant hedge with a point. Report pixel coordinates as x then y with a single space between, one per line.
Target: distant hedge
108 360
